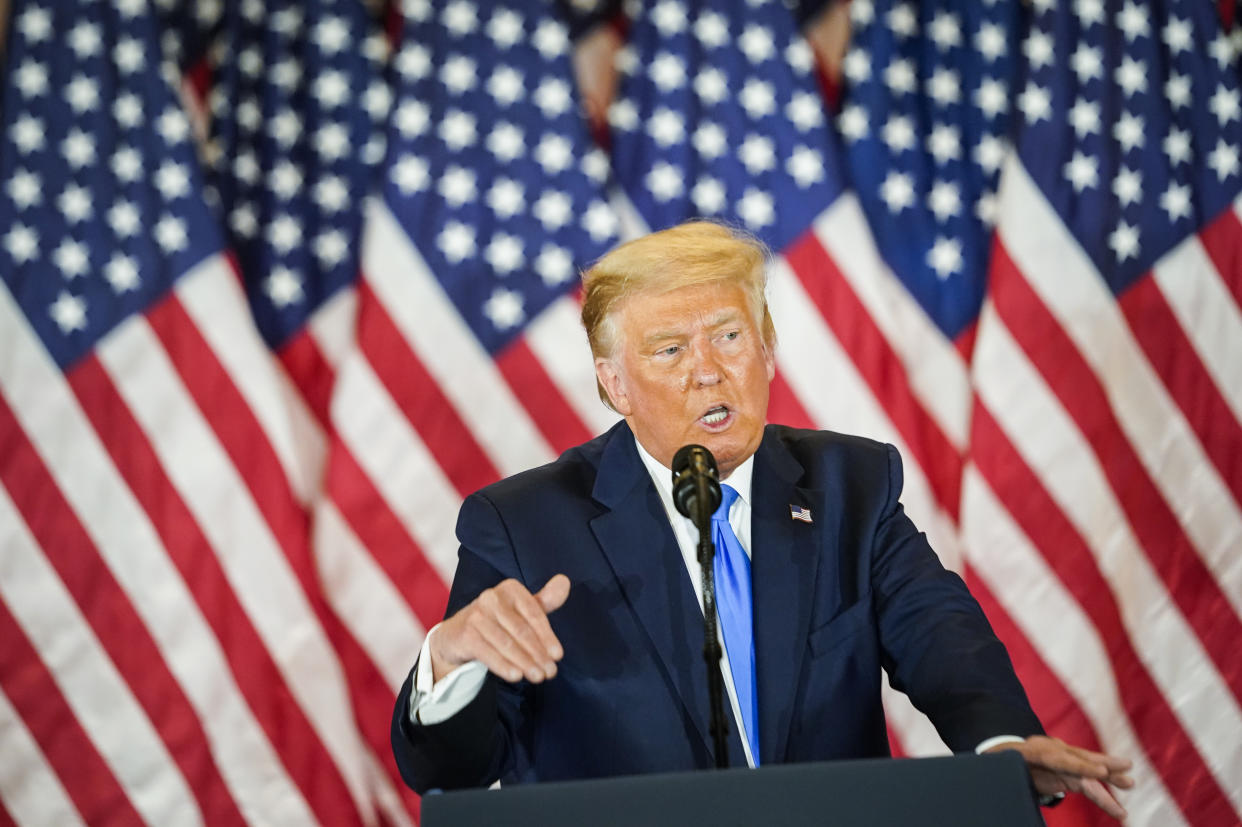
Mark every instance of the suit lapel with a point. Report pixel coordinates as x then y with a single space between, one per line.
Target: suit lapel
638 542
784 567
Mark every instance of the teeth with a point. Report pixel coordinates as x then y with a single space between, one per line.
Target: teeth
717 415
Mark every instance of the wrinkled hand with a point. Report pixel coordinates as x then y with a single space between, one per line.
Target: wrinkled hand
1057 767
506 627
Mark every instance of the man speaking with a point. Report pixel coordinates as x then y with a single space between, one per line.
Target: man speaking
572 642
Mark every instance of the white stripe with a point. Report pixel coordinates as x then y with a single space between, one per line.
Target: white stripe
1050 443
211 487
937 373
364 598
1074 293
1033 596
560 344
211 295
333 325
387 800
435 331
828 385
29 787
89 681
397 462
1207 313
129 545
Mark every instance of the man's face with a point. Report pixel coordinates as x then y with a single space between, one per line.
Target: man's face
691 366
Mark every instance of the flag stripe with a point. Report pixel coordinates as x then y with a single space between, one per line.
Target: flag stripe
1163 540
880 367
932 364
1140 422
1198 396
29 786
431 325
250 663
365 597
1222 241
406 566
310 373
1062 508
783 404
211 296
421 400
55 743
258 573
535 390
44 405
240 435
558 341
57 531
1056 708
36 611
400 466
1053 612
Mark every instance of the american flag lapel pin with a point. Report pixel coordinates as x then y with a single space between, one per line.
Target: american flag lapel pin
797 512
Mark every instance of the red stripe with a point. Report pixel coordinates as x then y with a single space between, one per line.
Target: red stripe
417 394
108 611
1228 8
541 398
31 689
880 367
1191 386
6 818
306 759
1057 710
379 530
784 406
1170 750
1222 240
1170 551
247 446
894 742
310 372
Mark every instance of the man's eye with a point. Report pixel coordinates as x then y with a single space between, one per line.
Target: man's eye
671 350
731 335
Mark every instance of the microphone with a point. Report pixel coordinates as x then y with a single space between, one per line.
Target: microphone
696 484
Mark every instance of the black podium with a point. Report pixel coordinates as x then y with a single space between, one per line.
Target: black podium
961 791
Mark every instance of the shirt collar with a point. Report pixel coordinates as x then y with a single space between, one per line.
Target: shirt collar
662 476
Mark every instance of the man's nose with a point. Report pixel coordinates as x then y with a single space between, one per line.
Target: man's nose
704 368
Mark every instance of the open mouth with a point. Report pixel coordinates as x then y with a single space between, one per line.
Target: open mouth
715 416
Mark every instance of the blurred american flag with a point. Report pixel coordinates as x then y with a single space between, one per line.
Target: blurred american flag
249 370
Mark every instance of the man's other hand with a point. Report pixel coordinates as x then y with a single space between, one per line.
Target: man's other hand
506 628
1057 767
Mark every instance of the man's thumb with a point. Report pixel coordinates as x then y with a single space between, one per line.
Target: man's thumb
554 593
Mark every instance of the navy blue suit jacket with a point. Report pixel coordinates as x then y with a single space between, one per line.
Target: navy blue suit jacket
834 601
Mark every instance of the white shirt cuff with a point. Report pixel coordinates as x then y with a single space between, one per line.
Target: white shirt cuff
996 741
432 701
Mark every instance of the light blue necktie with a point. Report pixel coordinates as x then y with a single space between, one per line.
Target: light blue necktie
733 605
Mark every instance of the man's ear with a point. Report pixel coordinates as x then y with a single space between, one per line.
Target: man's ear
608 375
769 359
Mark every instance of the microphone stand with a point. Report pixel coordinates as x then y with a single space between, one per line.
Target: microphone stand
711 642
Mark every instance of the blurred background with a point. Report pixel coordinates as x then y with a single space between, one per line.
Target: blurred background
285 280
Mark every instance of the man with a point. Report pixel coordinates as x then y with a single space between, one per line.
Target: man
572 642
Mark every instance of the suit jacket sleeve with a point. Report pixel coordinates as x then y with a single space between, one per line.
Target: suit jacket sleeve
938 647
474 747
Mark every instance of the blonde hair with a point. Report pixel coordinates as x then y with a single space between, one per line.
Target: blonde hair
693 253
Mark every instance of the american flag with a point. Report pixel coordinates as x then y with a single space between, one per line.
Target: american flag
246 376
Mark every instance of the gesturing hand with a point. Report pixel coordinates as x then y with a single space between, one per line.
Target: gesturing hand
506 628
1057 767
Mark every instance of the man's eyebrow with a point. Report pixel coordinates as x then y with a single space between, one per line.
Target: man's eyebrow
722 318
